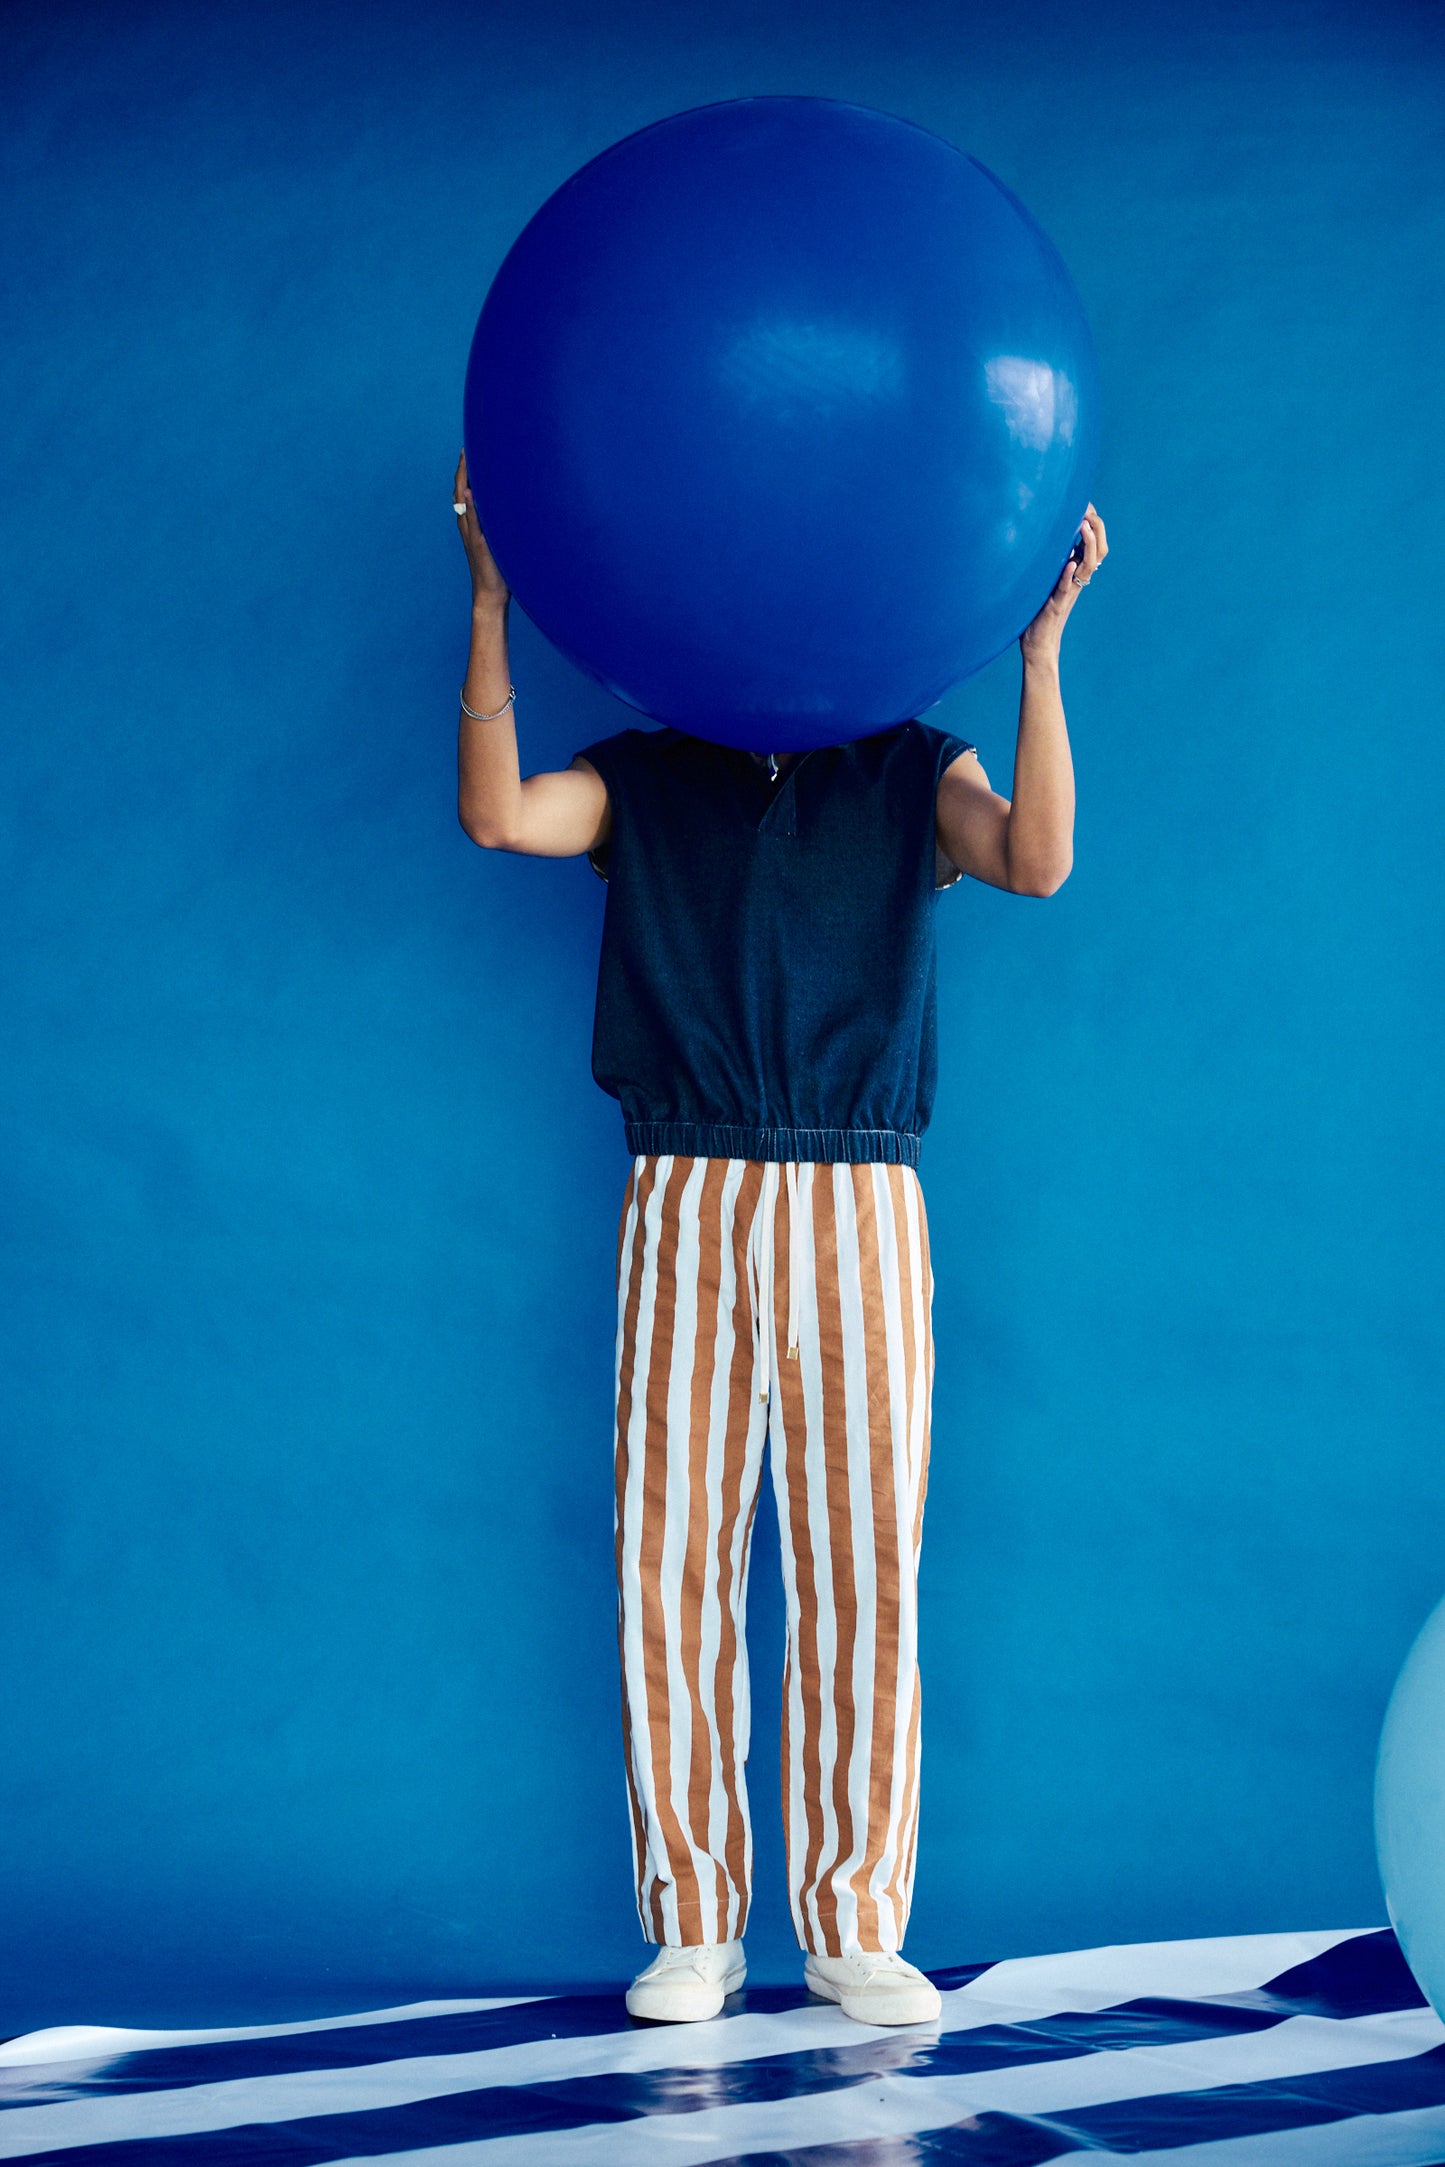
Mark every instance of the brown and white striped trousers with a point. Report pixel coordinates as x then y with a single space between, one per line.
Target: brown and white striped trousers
723 1265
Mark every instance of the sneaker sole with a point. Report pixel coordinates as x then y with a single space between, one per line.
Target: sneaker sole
921 2013
647 2015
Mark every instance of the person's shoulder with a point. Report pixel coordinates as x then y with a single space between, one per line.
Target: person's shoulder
936 749
908 745
628 750
938 740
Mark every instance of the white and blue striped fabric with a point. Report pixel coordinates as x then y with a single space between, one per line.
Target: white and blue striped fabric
1274 2050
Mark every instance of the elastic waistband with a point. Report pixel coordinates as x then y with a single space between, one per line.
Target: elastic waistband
719 1140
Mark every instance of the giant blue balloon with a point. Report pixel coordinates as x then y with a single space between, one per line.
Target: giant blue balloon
781 418
1410 1808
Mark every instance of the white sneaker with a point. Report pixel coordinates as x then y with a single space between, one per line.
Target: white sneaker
873 1987
683 1986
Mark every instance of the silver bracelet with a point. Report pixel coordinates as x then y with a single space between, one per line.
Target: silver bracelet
511 695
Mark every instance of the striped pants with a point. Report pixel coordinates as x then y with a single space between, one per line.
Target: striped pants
788 1304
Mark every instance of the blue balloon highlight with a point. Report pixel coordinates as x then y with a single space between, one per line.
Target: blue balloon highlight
781 417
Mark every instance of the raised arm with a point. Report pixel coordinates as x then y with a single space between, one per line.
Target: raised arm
1026 845
556 815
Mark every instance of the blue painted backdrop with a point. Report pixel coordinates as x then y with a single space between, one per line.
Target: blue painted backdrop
310 1203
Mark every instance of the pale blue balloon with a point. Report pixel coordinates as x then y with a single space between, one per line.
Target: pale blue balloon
1410 1808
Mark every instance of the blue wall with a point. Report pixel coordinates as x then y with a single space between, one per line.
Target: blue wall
310 1203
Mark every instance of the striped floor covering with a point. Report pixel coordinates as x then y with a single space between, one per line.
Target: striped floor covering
1277 2050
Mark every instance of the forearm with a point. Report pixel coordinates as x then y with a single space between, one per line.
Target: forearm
1040 837
489 779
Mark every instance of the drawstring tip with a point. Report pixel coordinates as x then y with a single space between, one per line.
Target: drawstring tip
793 1352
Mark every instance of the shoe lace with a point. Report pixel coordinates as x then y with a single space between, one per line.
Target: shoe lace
690 1959
869 1962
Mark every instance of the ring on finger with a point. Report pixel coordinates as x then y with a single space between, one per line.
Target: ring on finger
459 509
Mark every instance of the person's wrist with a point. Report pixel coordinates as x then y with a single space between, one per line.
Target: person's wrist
1040 654
489 608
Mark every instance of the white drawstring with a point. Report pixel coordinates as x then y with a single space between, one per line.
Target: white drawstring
766 1268
765 1274
794 1250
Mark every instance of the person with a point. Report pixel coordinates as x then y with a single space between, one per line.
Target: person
766 1017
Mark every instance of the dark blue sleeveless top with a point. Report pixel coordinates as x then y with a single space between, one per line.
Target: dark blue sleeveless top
766 983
